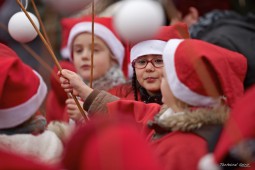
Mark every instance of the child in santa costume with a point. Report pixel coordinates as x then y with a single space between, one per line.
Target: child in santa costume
200 83
147 65
22 127
56 98
108 58
109 52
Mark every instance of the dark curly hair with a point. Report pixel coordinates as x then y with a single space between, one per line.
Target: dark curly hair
135 85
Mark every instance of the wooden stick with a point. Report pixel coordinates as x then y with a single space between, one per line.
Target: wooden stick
41 23
52 55
41 36
93 39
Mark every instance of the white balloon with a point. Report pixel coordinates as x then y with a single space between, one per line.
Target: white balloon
137 19
21 29
68 6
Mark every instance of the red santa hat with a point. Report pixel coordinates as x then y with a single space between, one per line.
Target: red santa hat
66 26
241 122
239 128
103 28
109 144
22 90
155 45
198 72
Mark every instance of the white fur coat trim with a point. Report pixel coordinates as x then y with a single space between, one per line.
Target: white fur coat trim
46 147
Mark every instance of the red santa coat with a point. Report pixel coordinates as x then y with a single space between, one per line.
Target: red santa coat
177 150
123 91
136 111
180 151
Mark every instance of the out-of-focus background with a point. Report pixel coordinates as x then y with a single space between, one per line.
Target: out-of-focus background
51 17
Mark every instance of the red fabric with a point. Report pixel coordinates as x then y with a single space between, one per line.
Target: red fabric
163 34
55 101
22 90
239 127
124 91
227 69
68 23
180 151
18 83
10 161
55 109
136 111
66 26
109 145
178 31
176 150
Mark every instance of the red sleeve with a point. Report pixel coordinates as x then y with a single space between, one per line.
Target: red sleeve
138 111
124 91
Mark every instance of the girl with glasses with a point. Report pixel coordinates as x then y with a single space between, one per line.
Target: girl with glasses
147 65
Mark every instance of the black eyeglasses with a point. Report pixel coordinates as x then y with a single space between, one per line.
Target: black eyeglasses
142 63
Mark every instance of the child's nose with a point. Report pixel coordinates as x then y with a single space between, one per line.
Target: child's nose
149 66
86 54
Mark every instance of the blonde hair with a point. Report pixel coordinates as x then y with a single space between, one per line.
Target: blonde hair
179 105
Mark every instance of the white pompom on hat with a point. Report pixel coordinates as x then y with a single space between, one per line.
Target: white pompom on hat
22 90
208 162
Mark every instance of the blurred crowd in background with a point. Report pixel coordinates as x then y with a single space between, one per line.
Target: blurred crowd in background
226 23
